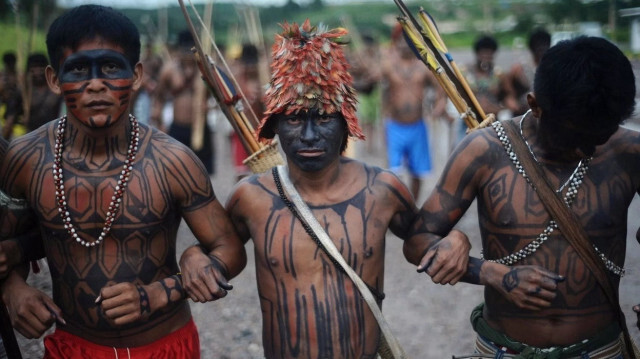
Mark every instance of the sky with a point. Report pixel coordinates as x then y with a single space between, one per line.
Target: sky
150 4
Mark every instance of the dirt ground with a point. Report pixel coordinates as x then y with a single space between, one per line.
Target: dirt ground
430 321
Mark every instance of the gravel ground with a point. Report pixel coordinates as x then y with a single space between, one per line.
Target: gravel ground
430 320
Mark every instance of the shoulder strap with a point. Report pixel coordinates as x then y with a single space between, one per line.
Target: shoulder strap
567 222
300 210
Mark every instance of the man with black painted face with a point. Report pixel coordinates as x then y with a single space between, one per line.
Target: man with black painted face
108 194
310 308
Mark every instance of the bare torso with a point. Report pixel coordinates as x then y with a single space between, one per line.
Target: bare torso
141 247
406 80
178 79
310 308
511 216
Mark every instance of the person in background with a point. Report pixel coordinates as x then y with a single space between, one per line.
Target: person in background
406 131
520 78
10 96
178 83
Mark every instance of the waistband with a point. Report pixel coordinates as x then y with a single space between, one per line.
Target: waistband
186 332
604 338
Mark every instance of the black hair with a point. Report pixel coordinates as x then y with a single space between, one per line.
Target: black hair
485 42
87 22
37 59
185 39
249 54
538 39
586 81
9 59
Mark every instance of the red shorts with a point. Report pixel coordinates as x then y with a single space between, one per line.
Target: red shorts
183 343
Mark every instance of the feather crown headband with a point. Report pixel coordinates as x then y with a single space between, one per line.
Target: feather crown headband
309 72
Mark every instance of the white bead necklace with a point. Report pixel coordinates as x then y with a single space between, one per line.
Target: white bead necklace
574 182
536 158
116 199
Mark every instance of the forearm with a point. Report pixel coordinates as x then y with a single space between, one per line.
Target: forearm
17 277
229 258
29 247
483 272
164 293
415 248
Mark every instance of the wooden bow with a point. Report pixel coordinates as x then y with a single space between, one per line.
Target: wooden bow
226 91
423 37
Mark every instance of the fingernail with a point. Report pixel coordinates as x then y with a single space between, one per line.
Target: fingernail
560 279
99 299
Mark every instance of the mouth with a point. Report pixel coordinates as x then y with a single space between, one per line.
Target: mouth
311 152
98 105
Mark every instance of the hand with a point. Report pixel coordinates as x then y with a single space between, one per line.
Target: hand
446 261
31 311
5 259
636 308
124 303
202 276
529 287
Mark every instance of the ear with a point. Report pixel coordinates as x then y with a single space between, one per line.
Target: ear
52 80
536 111
137 76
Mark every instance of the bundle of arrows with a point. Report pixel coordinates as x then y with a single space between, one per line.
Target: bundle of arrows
423 37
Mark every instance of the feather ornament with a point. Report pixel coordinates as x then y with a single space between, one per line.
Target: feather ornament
309 72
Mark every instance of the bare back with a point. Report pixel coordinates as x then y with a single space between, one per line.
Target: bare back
310 308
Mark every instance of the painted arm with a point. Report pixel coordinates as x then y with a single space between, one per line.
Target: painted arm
530 287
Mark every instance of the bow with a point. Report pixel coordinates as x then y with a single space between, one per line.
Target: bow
423 37
232 101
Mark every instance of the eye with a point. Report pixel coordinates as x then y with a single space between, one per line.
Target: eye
293 120
326 118
77 69
110 68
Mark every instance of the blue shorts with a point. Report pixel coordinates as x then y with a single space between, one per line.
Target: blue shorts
408 146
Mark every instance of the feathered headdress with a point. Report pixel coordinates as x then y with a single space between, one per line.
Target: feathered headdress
309 72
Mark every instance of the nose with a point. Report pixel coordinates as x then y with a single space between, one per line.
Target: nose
309 131
96 84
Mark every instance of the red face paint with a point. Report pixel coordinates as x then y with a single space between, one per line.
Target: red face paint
97 83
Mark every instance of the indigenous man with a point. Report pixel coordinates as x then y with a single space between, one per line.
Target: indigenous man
547 301
520 78
177 81
9 94
41 102
108 195
310 308
406 132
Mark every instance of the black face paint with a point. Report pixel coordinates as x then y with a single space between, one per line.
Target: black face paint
95 64
310 140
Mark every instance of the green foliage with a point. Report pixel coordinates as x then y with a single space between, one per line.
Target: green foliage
12 39
469 18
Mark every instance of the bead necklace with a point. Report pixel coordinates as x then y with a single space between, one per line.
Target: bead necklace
536 158
116 199
574 182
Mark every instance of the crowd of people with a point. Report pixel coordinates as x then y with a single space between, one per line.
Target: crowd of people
105 172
